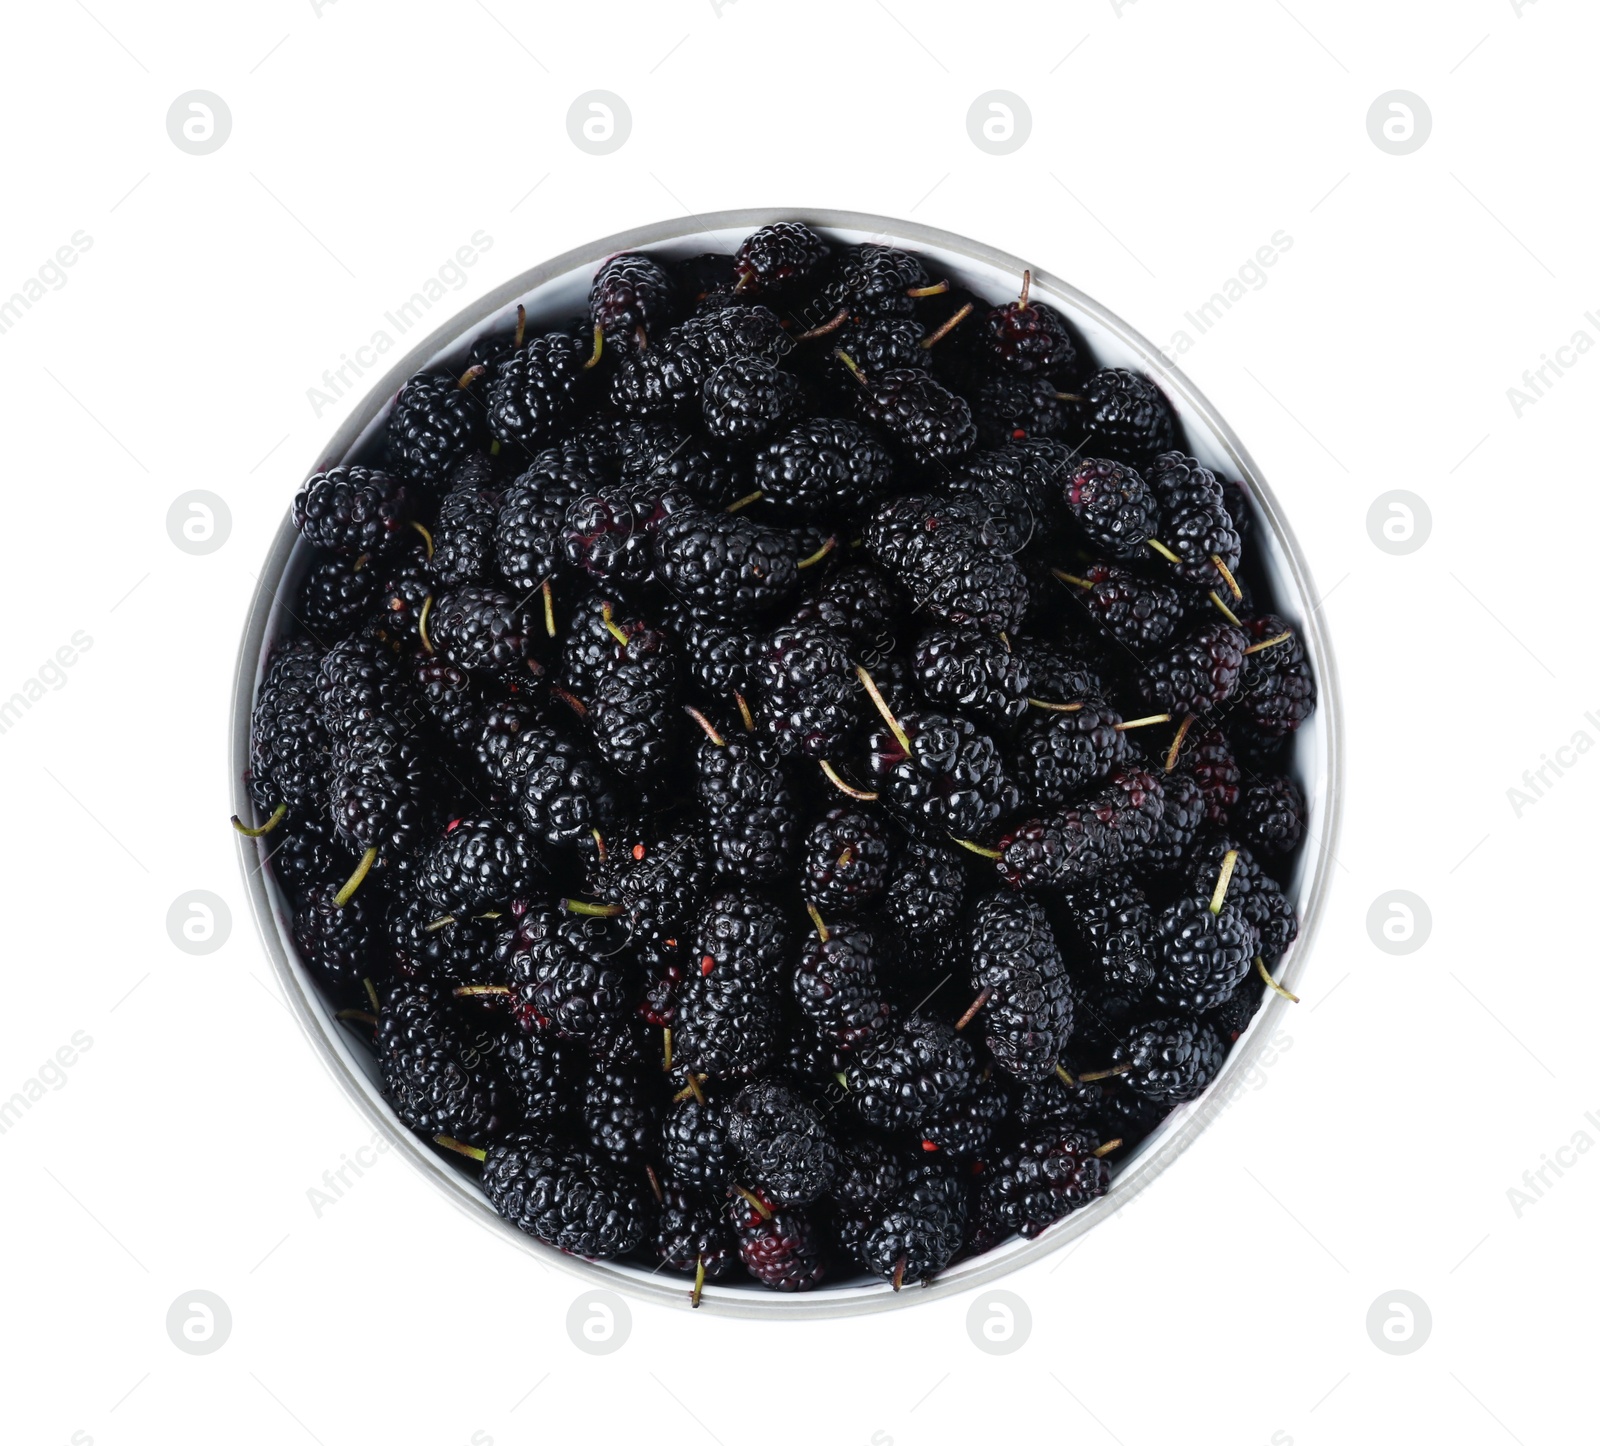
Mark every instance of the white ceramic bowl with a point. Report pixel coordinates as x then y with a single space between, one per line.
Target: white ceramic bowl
556 290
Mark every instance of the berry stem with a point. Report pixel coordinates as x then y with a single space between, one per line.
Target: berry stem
599 844
549 608
1054 707
666 1052
844 1081
855 370
522 325
359 1015
438 924
574 703
1068 397
372 995
354 881
427 540
480 991
1142 722
1272 642
699 1282
1261 969
1225 610
883 708
818 555
655 1183
832 324
816 918
641 338
1227 577
832 775
1100 1074
746 500
744 712
1106 1149
899 1272
472 1152
592 911
938 288
472 373
1082 582
706 723
946 327
974 1007
1027 283
756 1202
261 829
1164 550
599 346
1063 1076
1177 743
1219 893
422 624
611 625
978 849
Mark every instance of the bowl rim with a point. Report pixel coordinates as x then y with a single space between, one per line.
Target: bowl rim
1176 1133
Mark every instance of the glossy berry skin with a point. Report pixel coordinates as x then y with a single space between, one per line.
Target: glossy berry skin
421 1049
1112 504
1123 415
1049 1174
1278 691
535 390
1172 1060
910 1073
968 1129
1027 1018
723 565
1200 674
463 535
824 464
926 894
1200 956
353 510
921 1231
1255 892
837 987
941 552
784 1147
1195 521
479 863
573 975
1027 338
568 1198
952 784
691 1234
922 417
544 1074
661 883
630 294
778 259
336 598
531 521
619 1113
607 534
436 422
1015 409
971 670
561 794
846 861
727 1026
751 816
339 942
1058 755
1272 817
484 631
739 934
288 741
1139 612
874 280
1111 830
377 791
1210 758
695 1146
811 698
746 399
783 1250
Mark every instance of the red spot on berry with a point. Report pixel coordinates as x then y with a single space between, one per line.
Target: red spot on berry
453 825
1018 434
672 943
707 963
638 851
929 1146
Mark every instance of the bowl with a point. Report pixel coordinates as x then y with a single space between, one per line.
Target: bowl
557 289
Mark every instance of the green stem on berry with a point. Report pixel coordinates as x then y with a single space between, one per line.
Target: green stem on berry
522 325
974 1007
855 370
832 775
832 324
427 539
261 829
1106 1149
938 288
599 844
699 1281
422 624
574 703
591 911
844 1080
899 1272
746 278
480 991
472 1152
1225 610
666 1047
846 857
1262 970
691 1090
816 918
1177 743
641 339
472 373
1100 1074
372 994
361 562
744 712
1027 283
438 924
978 849
707 725
745 501
1068 397
1054 707
611 625
946 327
359 1015
599 346
549 608
818 555
1163 550
1082 582
757 1204
655 1183
1142 722
1063 1076
1224 874
883 708
1227 577
354 881
495 913
1271 642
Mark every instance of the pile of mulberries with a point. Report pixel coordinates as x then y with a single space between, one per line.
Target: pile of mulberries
790 771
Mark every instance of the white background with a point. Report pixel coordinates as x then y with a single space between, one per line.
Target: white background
1227 1305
